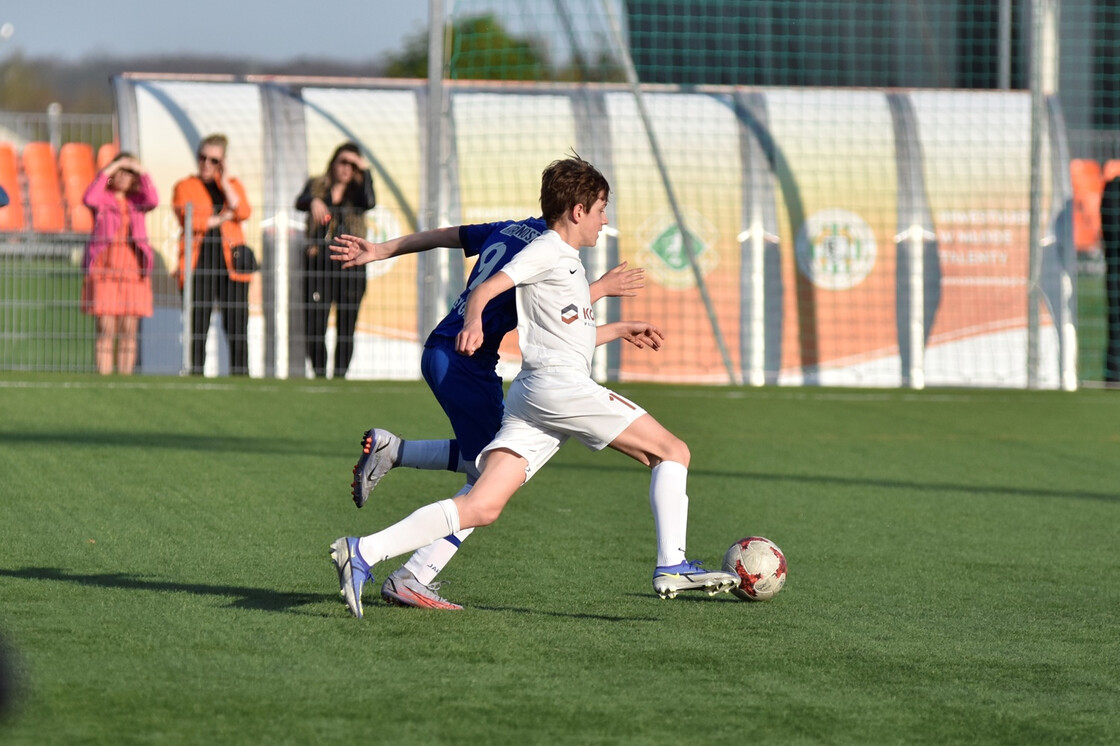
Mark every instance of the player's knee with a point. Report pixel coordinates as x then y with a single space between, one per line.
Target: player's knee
475 510
484 515
679 452
673 450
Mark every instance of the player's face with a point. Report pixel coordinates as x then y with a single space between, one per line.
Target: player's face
593 222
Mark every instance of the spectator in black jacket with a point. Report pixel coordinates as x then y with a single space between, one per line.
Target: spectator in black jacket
336 203
1110 233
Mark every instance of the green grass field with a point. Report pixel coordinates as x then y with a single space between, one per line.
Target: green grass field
954 574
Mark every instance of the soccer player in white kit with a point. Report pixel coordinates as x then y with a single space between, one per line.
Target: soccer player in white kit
552 399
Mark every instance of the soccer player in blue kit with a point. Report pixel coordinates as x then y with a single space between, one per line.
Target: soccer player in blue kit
552 399
468 388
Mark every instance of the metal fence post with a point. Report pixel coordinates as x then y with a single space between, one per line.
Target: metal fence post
187 272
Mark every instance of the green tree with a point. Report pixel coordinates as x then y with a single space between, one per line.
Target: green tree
23 87
480 49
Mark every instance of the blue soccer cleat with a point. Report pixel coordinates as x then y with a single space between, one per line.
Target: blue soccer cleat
353 572
669 580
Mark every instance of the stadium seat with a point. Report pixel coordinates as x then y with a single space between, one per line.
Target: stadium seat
11 217
44 196
106 153
1085 175
75 162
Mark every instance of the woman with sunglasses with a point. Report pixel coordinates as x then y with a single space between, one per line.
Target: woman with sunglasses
117 287
219 206
336 203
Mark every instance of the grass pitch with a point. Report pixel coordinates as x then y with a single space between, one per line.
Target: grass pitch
954 577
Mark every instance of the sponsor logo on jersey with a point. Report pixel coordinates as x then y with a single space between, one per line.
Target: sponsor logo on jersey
571 313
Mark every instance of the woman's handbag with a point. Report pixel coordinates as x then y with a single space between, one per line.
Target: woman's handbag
244 260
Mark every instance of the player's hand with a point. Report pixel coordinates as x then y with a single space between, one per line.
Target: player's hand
354 251
643 335
470 338
622 282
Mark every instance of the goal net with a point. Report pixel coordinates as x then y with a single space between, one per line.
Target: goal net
820 192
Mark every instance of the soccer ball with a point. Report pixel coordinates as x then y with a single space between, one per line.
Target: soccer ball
760 565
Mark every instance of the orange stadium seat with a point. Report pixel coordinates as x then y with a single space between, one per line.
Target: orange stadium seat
106 153
1085 175
43 191
11 217
75 162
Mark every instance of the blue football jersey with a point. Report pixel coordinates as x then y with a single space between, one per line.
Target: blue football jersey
494 244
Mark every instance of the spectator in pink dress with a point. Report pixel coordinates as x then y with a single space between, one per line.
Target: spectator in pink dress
117 289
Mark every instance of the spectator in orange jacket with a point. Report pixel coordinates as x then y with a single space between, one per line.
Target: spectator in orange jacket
221 264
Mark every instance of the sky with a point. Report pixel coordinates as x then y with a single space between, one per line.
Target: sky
269 30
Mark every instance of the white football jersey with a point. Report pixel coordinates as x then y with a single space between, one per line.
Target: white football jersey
555 321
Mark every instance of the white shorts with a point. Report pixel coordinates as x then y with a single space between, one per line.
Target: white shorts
545 408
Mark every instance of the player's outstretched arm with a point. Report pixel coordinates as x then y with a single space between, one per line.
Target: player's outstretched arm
641 334
619 282
354 251
470 337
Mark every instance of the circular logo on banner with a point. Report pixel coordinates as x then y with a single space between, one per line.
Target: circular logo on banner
664 253
835 249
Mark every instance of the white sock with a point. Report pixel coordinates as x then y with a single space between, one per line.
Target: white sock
427 562
432 455
669 501
421 528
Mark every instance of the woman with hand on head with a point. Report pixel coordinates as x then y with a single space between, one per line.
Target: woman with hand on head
117 289
336 203
218 208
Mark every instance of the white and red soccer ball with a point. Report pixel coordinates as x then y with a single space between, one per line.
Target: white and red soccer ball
760 565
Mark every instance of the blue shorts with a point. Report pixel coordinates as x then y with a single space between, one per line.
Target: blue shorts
468 389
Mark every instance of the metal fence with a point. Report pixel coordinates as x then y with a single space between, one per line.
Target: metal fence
948 44
57 128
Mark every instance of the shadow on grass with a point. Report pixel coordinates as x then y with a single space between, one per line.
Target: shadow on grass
169 441
698 597
261 599
890 484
